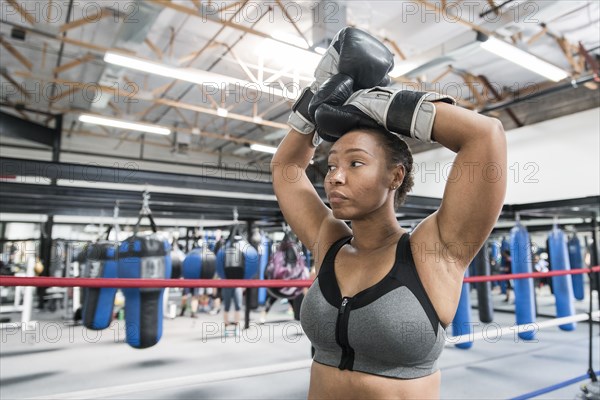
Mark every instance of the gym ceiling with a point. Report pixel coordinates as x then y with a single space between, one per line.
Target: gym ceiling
240 64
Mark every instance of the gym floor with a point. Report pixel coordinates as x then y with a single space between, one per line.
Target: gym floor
194 360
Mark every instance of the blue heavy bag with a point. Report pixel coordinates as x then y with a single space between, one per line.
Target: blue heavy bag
576 260
200 263
237 259
520 250
98 260
562 285
144 256
461 324
265 246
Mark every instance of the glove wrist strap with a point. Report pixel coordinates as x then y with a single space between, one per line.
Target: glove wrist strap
300 119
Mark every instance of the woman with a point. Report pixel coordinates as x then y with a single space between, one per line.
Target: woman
377 309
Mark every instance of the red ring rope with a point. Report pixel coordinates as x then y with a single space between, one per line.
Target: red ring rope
42 281
505 277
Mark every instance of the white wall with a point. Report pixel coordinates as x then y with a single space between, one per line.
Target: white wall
551 160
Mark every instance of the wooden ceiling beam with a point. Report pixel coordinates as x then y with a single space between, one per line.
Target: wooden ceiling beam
93 18
167 102
72 64
16 53
28 17
157 52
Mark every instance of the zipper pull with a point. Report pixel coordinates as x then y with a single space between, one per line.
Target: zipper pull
343 306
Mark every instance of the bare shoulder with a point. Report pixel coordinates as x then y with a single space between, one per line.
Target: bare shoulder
331 231
439 272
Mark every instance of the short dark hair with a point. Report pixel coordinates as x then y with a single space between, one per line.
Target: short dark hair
397 152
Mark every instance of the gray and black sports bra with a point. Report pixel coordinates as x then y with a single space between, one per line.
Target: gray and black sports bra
389 329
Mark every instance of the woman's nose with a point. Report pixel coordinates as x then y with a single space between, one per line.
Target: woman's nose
337 177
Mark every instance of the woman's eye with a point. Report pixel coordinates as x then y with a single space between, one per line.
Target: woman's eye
356 164
330 168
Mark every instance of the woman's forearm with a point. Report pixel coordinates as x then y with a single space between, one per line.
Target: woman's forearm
455 127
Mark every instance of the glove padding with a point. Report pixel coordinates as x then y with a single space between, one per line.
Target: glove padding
359 55
403 112
354 53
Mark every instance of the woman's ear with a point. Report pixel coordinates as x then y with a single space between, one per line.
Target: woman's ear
398 178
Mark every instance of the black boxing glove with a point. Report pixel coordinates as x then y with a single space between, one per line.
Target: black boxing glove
334 91
354 53
403 112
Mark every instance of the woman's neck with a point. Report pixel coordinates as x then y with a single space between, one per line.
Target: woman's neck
372 236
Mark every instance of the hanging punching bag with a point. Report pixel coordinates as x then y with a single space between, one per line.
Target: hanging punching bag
461 324
264 254
520 252
481 265
504 263
576 260
563 286
99 260
144 256
177 256
200 263
237 259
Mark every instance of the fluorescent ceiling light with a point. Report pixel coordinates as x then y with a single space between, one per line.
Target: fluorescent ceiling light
196 76
264 149
222 112
524 59
117 123
185 74
320 50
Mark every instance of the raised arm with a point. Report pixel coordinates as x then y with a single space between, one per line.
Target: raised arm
475 189
300 203
476 185
354 60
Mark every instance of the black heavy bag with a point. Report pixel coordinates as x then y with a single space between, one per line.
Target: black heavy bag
237 259
481 263
200 263
177 256
144 256
98 260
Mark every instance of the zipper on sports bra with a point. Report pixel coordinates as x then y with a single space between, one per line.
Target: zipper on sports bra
341 334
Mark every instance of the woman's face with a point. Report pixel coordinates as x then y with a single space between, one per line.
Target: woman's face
359 178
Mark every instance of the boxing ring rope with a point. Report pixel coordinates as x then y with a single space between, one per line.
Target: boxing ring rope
42 281
490 332
516 329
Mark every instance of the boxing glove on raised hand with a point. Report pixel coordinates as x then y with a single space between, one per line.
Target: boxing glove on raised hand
403 112
354 53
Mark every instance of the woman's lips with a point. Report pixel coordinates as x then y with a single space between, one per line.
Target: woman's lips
337 197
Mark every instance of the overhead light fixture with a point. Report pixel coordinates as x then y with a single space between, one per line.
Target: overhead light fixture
192 75
263 148
117 123
522 58
222 112
184 74
320 50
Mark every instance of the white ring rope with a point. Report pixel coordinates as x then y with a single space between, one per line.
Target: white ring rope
493 334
